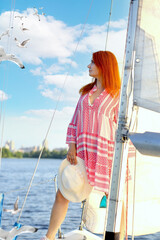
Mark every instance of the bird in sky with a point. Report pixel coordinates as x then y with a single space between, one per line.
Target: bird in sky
10 235
20 17
23 28
10 57
15 210
21 44
5 33
36 13
42 12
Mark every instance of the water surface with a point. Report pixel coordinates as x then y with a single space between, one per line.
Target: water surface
16 174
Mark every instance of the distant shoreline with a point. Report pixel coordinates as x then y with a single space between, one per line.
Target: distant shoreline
35 154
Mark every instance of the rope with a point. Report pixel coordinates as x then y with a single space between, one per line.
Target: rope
58 100
134 186
109 21
127 200
2 121
2 132
11 20
127 186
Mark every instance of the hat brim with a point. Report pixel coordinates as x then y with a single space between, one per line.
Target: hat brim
70 195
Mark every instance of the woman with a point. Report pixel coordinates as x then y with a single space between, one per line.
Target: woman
91 132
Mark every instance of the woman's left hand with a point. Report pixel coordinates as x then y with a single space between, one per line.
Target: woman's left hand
71 155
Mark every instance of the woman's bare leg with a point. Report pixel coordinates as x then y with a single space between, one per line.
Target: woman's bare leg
58 214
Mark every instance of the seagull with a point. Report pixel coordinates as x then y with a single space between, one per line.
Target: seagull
21 17
41 8
36 13
5 33
5 235
23 28
10 57
22 44
15 210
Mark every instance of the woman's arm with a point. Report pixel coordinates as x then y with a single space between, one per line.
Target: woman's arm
71 155
71 138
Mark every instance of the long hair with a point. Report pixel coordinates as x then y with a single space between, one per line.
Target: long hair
108 67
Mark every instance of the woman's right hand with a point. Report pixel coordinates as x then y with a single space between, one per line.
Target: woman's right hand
71 155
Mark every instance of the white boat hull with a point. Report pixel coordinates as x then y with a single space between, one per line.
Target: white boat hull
81 235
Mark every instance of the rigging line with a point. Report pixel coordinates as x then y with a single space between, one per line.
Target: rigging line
35 184
109 21
134 186
11 25
2 130
2 116
11 20
2 96
50 124
127 179
2 137
4 82
134 127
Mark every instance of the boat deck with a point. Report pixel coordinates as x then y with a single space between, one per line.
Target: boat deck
80 235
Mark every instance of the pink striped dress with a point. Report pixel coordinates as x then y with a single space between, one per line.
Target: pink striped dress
92 129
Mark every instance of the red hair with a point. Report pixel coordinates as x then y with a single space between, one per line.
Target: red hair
108 67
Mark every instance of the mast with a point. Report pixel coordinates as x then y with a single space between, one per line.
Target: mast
114 208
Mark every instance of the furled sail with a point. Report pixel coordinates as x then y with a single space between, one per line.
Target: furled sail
147 56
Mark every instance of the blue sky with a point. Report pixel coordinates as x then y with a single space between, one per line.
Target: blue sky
30 95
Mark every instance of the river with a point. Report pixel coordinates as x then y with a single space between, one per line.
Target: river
15 176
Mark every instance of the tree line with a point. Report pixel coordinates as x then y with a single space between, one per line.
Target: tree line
46 154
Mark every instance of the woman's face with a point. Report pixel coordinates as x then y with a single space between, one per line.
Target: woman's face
93 70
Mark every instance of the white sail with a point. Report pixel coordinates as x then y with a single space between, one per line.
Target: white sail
142 76
146 95
147 179
147 56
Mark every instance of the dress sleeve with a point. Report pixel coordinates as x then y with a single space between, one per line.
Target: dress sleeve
72 128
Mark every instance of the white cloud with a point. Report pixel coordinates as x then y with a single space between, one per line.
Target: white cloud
48 113
67 60
51 38
57 80
54 68
41 71
34 125
40 112
96 41
65 86
3 96
37 71
55 94
121 24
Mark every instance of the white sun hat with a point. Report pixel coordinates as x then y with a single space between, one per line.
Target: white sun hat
73 182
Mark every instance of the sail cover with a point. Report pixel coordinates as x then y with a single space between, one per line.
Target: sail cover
147 56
